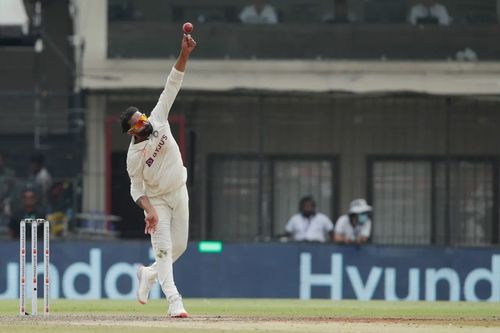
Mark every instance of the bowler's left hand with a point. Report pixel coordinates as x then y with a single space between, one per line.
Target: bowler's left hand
188 43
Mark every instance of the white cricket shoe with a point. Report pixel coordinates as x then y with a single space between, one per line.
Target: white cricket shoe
176 307
146 281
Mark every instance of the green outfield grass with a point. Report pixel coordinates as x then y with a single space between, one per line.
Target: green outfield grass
276 308
261 315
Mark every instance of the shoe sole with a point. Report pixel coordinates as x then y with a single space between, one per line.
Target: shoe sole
181 315
139 278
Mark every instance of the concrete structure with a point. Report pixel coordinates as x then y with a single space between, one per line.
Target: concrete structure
221 100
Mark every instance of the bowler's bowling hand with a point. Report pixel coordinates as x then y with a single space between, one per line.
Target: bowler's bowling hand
151 222
188 43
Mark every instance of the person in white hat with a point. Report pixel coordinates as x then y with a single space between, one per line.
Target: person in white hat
356 225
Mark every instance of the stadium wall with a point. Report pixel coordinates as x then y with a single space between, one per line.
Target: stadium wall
92 270
351 127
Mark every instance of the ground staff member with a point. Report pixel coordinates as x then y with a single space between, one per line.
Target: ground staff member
158 185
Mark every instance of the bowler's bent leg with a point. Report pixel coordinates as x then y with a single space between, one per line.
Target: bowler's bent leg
179 227
162 249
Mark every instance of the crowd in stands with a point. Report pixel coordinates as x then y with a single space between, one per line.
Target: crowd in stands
308 225
423 12
351 11
415 12
33 195
39 196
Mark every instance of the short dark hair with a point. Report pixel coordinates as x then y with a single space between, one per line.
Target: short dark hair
304 199
125 118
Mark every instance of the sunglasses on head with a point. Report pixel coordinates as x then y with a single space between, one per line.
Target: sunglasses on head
139 123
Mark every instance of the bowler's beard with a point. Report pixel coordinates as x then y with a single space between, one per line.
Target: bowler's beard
146 132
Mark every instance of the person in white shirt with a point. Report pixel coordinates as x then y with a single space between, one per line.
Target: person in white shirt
259 13
308 225
158 185
428 11
356 225
41 178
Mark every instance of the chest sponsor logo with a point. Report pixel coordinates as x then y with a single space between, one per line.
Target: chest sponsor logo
159 146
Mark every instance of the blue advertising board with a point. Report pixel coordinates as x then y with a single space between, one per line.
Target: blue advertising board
91 270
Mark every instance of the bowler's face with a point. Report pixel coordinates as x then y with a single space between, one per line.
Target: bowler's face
137 123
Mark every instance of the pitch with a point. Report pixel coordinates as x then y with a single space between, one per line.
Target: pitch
257 315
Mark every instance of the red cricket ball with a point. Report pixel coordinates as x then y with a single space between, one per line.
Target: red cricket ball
187 27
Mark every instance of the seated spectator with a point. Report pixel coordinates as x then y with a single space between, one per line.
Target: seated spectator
28 210
259 13
429 12
309 225
339 13
59 207
355 226
41 178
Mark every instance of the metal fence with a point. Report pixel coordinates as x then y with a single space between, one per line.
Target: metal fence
433 201
428 164
257 193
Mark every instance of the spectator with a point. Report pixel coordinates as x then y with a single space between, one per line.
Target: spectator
339 13
259 13
429 12
28 210
308 225
42 180
355 226
59 207
7 182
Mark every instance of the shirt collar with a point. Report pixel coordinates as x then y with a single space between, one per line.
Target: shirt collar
137 146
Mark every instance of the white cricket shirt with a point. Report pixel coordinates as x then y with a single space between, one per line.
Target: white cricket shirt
437 11
313 229
155 165
267 15
344 227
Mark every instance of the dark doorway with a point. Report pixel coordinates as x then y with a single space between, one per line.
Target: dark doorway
132 223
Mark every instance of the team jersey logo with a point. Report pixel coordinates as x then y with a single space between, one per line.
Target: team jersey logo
150 161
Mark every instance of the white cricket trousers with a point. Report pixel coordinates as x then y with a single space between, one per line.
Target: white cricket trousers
169 240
